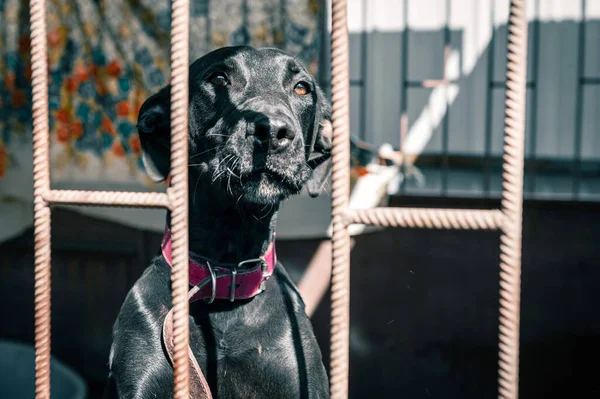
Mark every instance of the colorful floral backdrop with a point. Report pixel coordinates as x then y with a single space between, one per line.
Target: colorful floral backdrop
106 57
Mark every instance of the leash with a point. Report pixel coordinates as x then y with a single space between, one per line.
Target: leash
199 388
242 281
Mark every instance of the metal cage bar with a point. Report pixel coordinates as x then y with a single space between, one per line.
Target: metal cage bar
512 201
340 197
176 198
508 219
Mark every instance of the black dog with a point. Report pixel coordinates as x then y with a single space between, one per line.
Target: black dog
259 130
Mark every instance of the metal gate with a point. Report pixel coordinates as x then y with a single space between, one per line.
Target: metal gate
508 219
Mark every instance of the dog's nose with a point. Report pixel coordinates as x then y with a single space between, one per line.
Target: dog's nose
277 133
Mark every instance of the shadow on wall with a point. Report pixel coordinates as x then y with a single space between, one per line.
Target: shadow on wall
477 100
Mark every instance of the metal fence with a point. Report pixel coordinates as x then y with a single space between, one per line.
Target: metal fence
508 219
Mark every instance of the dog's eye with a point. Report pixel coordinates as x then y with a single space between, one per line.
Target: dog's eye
218 79
302 88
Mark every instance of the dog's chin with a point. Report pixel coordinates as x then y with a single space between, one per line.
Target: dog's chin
265 188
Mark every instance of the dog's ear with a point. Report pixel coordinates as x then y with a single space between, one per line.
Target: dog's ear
154 128
320 157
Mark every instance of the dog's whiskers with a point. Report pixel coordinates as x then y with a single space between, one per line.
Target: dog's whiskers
216 176
235 165
229 169
195 190
232 167
229 183
225 160
208 150
231 172
218 173
267 212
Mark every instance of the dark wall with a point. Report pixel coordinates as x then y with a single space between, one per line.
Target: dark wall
94 264
424 303
424 309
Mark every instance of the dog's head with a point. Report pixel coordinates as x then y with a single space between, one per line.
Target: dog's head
259 127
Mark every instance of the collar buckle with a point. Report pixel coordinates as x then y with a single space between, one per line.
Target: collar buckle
234 270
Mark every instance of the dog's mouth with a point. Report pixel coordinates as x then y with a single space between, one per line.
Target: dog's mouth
270 175
262 186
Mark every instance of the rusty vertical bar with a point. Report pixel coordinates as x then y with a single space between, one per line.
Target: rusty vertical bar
41 184
178 192
340 273
512 202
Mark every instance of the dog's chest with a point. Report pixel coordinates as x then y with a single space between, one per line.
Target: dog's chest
254 330
247 351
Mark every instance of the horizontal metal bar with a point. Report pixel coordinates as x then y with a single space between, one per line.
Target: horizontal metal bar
431 218
107 198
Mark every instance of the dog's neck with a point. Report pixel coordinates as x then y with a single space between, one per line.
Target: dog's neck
228 232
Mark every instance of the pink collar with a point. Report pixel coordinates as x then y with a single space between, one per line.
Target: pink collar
242 281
